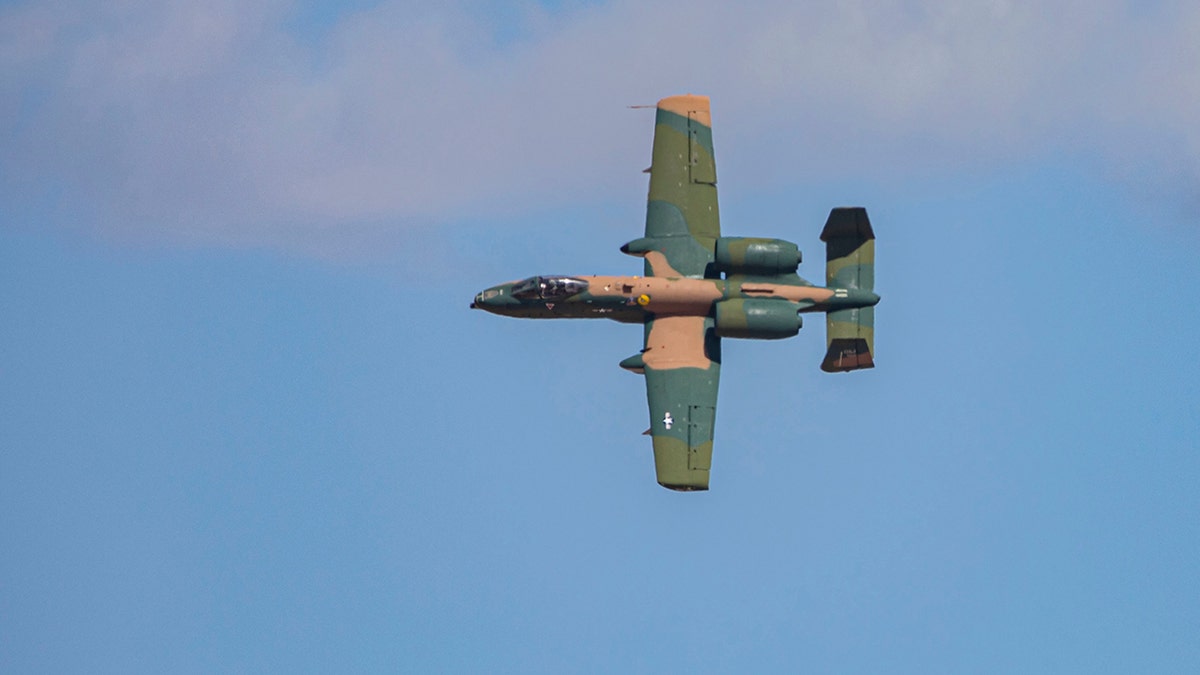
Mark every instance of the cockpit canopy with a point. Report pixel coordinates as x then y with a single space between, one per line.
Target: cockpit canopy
548 288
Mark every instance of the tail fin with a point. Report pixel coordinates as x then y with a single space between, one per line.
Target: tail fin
849 263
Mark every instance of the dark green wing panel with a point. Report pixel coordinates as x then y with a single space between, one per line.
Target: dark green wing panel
683 369
682 220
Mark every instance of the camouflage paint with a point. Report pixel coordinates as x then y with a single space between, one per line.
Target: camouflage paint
758 318
682 293
753 255
682 218
850 264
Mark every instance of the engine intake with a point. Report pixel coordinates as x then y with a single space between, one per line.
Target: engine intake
758 318
755 255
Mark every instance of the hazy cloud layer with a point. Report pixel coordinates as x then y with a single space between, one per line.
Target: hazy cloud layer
216 122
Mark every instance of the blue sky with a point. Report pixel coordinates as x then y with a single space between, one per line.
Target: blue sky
247 422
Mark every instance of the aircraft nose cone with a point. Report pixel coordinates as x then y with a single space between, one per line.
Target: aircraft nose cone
496 300
486 300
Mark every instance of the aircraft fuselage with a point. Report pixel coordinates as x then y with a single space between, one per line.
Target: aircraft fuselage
631 299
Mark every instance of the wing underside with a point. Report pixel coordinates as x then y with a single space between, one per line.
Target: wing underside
682 219
683 368
682 353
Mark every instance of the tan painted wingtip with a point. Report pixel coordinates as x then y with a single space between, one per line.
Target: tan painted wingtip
688 104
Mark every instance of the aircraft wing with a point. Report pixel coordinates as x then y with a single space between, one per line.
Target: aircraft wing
682 368
682 221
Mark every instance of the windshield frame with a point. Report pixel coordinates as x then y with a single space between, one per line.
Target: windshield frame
548 287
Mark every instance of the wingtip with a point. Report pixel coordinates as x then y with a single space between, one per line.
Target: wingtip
688 105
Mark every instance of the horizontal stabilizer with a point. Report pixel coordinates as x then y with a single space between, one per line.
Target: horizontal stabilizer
851 338
849 249
850 264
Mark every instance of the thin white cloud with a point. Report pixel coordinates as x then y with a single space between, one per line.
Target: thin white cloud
209 122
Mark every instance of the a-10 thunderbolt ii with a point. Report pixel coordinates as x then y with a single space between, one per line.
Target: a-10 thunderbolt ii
699 287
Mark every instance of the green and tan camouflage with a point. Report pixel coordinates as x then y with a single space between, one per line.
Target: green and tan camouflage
698 287
850 264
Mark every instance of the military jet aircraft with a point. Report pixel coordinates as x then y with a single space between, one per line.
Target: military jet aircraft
699 287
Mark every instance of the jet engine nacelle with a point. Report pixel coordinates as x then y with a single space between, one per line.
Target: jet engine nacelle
758 318
755 255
